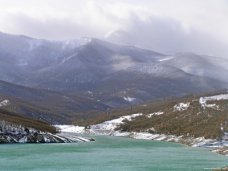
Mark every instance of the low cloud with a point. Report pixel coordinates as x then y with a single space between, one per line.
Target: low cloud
51 28
198 26
167 35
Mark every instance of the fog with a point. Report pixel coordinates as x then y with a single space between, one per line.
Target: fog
198 26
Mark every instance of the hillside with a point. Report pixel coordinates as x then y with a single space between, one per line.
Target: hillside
17 119
15 128
202 115
194 116
45 105
200 65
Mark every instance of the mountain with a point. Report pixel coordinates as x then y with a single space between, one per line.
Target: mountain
199 115
49 106
88 64
111 74
200 65
27 55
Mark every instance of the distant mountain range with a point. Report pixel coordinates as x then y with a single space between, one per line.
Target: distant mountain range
68 77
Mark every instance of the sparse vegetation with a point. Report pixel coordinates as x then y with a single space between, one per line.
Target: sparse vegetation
194 122
26 122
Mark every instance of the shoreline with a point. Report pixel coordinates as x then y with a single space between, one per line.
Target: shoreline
212 145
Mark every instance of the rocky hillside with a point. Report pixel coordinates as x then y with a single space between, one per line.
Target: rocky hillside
202 115
18 119
198 121
17 129
193 116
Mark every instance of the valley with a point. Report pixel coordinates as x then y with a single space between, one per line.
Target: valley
64 91
88 81
111 85
197 121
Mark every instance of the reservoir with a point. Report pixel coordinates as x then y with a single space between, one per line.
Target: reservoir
108 154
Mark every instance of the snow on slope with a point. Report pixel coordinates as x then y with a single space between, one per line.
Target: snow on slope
104 128
4 103
70 128
108 127
67 58
203 100
155 113
15 133
129 99
75 42
181 106
166 58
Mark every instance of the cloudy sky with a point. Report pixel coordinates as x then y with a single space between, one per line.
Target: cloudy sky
199 26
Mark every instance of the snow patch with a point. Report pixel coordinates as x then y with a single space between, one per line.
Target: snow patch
4 103
90 93
107 127
165 59
65 59
203 100
157 137
129 99
71 44
144 135
181 106
70 128
155 113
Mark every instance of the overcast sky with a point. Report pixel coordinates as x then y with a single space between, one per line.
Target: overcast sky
199 26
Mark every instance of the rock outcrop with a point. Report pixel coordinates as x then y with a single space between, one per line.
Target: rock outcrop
13 133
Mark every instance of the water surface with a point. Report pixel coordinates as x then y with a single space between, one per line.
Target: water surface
108 154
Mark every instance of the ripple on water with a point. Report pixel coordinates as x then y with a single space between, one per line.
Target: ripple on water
108 154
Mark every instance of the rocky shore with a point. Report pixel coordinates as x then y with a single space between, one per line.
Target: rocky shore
10 138
13 133
110 128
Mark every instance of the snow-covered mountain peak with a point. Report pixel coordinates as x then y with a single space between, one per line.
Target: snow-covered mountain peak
71 44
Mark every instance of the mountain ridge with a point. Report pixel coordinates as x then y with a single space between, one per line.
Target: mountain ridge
98 70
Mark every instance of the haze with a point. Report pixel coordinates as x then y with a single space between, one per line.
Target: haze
198 26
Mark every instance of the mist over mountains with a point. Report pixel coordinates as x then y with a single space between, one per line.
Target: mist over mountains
107 75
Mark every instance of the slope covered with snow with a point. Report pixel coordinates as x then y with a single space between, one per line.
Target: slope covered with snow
203 100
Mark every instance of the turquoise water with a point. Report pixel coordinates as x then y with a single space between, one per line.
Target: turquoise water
108 154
